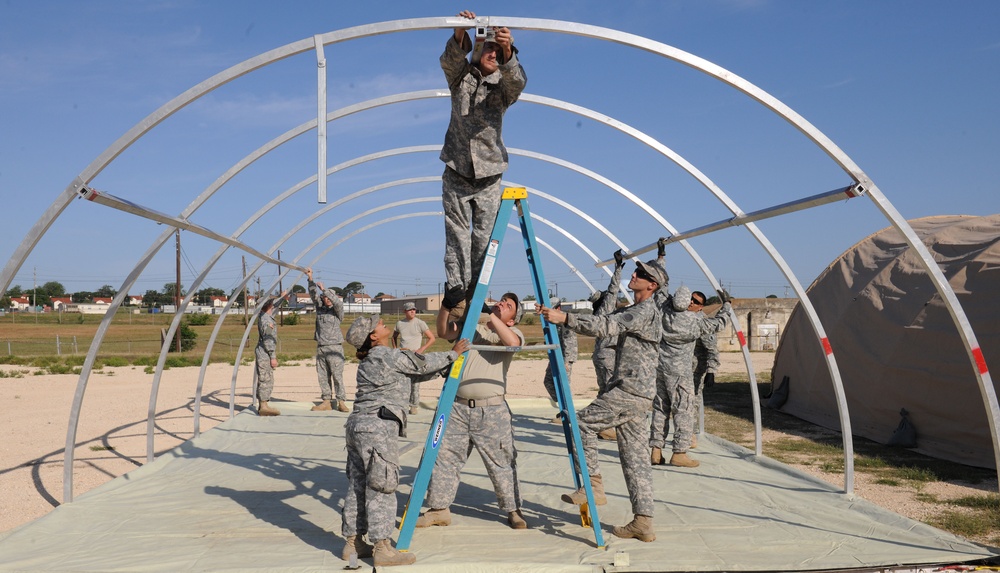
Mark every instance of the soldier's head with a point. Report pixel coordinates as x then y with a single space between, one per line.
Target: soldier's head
328 297
267 306
697 301
647 277
508 309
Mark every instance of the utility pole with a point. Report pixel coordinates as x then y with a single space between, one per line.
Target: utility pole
177 286
245 301
34 292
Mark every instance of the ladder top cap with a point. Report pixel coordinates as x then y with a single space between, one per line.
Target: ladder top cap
514 193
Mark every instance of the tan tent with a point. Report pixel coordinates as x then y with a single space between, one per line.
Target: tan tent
896 344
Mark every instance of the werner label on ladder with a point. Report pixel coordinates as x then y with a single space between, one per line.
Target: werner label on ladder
512 197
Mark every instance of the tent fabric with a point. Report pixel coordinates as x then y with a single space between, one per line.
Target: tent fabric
894 340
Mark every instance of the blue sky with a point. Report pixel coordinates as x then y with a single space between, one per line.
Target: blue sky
907 89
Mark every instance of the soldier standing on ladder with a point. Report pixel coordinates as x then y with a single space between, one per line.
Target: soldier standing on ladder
473 153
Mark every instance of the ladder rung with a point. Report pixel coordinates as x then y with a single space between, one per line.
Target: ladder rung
485 348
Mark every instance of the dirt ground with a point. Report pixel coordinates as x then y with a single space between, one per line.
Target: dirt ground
111 435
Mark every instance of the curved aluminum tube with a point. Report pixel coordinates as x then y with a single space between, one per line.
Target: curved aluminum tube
572 268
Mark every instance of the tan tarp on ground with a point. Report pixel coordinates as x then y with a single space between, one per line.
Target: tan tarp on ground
895 343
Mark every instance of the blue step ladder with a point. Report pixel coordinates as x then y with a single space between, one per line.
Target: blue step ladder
513 197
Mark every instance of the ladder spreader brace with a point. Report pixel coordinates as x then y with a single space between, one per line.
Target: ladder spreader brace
512 197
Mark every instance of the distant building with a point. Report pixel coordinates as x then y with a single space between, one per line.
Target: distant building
59 303
425 303
762 321
359 298
132 300
102 300
219 301
21 303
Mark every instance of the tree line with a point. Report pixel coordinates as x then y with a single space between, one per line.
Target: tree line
43 295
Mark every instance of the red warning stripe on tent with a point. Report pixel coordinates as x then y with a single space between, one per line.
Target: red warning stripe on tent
743 340
826 345
980 360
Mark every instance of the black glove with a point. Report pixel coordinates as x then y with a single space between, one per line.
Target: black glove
724 296
709 380
661 247
619 259
455 295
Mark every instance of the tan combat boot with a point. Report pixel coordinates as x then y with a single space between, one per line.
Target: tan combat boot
579 497
694 442
516 521
656 457
435 517
324 406
342 406
681 460
610 435
355 544
641 528
386 555
264 409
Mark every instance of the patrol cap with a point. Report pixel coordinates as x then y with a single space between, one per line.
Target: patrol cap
681 298
555 302
595 296
328 293
655 270
409 306
360 329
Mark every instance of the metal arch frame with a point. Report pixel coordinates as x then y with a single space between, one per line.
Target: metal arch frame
546 101
337 243
941 284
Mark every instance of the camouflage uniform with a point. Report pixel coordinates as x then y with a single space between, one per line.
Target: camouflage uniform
706 360
604 348
675 394
267 345
379 416
329 344
475 158
487 426
570 350
411 335
629 396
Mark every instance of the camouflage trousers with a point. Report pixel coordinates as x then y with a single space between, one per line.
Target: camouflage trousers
465 200
265 374
415 394
372 477
604 367
489 429
550 382
626 413
330 371
675 398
